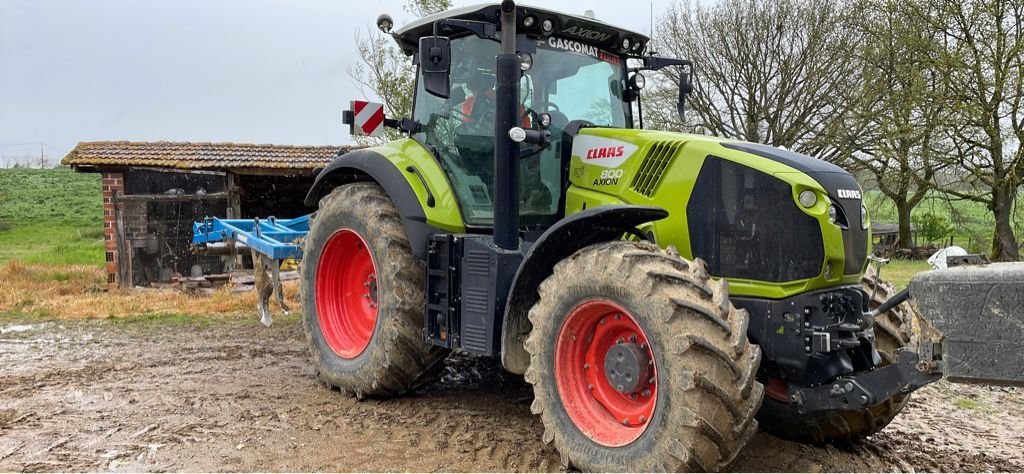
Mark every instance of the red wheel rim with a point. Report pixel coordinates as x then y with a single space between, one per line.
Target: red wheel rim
346 293
604 414
777 389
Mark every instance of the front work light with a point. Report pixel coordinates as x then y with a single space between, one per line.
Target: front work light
808 198
637 81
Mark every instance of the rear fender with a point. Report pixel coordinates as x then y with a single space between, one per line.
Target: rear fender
600 224
411 178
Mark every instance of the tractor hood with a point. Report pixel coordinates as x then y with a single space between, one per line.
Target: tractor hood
734 204
840 186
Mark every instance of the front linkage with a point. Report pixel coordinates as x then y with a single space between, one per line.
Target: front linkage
822 344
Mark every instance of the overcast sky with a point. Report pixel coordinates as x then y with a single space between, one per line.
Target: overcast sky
252 71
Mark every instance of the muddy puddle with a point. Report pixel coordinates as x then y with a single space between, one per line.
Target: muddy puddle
230 395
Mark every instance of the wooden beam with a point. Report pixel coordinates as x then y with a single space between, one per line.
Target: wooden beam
175 197
176 170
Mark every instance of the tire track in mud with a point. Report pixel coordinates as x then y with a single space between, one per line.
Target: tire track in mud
230 395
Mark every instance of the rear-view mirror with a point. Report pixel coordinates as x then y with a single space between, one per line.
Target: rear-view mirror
435 65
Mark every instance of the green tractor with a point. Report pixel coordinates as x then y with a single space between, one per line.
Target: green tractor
665 294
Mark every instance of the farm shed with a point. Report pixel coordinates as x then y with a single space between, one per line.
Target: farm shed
885 238
154 191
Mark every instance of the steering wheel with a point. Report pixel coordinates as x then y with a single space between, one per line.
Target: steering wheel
549 105
558 119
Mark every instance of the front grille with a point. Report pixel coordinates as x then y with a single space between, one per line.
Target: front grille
659 157
745 224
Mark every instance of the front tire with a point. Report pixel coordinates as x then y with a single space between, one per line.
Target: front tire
686 395
363 296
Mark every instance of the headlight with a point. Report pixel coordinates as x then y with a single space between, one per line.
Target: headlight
833 214
808 198
863 217
637 81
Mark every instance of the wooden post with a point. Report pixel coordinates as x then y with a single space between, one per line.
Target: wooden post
234 211
124 254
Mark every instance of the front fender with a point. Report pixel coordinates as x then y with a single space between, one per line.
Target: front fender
592 226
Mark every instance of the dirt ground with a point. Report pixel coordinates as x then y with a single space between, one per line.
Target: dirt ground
172 394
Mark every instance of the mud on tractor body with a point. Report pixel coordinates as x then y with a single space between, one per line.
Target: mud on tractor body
662 292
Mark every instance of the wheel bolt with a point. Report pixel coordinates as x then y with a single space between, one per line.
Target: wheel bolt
650 381
644 346
632 396
646 393
632 338
602 320
618 316
643 418
586 366
590 386
620 340
625 421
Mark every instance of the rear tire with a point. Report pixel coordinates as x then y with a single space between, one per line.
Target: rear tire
363 296
700 406
892 332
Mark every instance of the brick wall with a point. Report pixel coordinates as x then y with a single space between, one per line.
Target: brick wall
112 183
136 221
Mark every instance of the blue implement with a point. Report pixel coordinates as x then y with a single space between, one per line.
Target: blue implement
274 238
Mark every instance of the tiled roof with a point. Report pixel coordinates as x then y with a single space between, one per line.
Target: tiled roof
186 155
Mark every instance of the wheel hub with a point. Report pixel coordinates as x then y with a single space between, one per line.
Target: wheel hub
626 367
371 289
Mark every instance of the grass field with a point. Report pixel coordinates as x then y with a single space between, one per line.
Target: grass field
898 272
972 222
51 216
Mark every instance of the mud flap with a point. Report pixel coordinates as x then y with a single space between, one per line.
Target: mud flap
979 313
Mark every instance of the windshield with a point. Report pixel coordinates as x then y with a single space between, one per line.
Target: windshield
569 80
576 81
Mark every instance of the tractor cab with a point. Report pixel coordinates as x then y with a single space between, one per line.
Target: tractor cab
573 74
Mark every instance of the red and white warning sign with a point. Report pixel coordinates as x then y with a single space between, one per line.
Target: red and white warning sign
368 118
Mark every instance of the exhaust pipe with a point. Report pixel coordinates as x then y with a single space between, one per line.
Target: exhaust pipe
506 151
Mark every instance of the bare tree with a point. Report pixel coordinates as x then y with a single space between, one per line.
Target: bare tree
894 131
775 72
983 58
385 72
